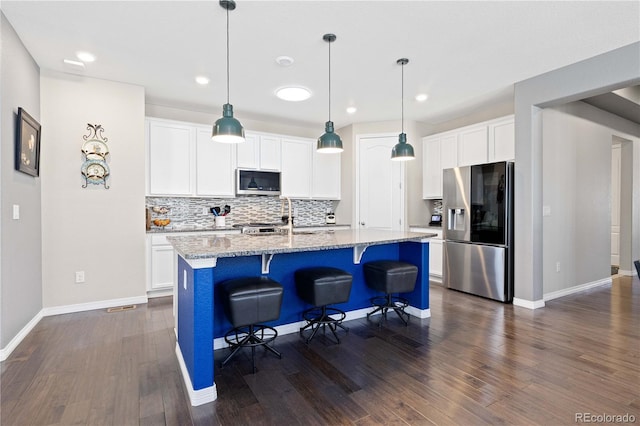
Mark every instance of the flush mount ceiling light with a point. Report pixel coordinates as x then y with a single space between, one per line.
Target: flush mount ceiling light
293 94
85 56
329 142
351 110
422 97
201 79
402 151
227 129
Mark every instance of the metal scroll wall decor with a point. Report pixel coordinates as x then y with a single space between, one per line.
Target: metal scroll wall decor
95 169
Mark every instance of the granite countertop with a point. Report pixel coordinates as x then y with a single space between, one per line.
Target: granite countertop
195 228
212 246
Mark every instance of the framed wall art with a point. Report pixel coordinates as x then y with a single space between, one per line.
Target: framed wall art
27 144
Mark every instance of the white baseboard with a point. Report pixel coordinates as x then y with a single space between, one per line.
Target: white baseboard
90 306
529 304
197 397
159 293
6 351
626 273
67 309
576 289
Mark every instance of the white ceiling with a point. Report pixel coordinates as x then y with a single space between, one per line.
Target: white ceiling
463 54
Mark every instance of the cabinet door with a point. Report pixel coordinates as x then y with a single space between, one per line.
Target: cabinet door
431 170
472 146
269 153
435 257
448 152
325 182
214 166
170 148
247 152
296 168
502 140
162 267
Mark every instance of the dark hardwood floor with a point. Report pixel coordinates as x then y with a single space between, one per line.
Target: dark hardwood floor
473 362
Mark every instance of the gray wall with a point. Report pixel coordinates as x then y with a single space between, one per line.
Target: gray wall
609 71
20 240
576 145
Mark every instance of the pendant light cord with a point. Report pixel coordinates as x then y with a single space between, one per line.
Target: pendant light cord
329 80
402 99
227 55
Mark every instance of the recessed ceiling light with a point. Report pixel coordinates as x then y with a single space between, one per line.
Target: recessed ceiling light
85 56
293 94
351 110
284 61
201 79
422 97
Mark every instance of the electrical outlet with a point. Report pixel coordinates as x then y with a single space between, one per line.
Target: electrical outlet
205 210
557 266
79 276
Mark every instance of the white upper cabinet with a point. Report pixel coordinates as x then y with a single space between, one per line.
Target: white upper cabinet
438 153
431 169
296 168
270 152
214 166
325 182
480 143
502 139
182 160
259 151
473 146
170 158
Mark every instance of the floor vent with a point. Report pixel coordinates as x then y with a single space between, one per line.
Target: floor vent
121 308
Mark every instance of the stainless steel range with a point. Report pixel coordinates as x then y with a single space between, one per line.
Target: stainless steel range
257 228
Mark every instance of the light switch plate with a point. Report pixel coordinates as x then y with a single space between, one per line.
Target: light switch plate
16 211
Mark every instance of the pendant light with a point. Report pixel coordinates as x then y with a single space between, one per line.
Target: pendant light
329 142
402 151
227 129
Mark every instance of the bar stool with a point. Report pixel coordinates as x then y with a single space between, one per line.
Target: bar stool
321 286
390 276
248 302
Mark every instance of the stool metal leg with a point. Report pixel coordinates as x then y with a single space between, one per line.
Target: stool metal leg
321 317
251 336
389 302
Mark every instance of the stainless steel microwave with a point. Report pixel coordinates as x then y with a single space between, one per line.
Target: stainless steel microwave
257 182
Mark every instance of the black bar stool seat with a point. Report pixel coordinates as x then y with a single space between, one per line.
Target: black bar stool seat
247 303
390 277
321 286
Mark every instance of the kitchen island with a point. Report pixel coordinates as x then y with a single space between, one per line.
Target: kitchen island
203 261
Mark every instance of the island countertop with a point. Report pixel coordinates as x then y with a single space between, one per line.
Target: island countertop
196 246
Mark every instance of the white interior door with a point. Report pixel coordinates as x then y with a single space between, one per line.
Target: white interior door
615 203
380 193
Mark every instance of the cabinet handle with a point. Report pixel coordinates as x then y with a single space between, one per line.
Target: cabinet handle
362 223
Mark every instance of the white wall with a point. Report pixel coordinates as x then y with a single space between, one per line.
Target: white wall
576 144
20 240
96 230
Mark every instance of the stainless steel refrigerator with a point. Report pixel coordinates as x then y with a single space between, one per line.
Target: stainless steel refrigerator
478 230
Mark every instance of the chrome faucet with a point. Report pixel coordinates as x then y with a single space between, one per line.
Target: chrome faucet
289 218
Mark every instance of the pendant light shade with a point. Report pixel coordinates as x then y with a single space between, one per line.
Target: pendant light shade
329 142
402 151
227 129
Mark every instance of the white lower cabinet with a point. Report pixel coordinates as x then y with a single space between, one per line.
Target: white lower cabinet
161 261
435 251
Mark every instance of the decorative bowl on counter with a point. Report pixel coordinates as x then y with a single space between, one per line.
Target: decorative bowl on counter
161 222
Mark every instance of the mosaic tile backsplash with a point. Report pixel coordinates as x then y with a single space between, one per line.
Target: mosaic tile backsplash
191 211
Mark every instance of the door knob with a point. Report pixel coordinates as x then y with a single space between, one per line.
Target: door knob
362 223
